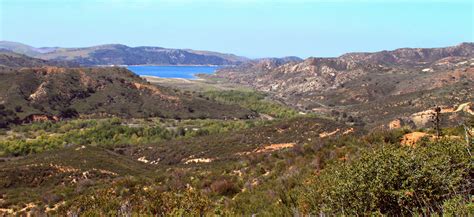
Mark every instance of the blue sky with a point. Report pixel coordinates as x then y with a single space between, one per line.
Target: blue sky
250 28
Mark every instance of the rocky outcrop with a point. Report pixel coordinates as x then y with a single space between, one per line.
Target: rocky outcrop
395 124
421 119
39 118
411 139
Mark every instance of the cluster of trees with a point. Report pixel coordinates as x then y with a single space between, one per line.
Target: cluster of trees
192 128
254 101
49 135
90 132
344 117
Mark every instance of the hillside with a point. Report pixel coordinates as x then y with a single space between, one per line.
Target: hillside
62 92
287 166
117 54
21 48
325 74
351 82
14 60
412 56
261 65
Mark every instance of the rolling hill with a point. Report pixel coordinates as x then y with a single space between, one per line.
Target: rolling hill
15 60
54 92
117 54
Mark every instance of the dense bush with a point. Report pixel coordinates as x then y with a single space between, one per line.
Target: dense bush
393 180
130 197
7 117
224 187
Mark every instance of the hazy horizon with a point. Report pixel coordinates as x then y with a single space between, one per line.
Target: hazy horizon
230 53
248 28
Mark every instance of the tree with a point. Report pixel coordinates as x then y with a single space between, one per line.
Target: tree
436 120
68 113
18 109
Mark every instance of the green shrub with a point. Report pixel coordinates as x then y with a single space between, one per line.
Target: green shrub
137 198
392 180
458 206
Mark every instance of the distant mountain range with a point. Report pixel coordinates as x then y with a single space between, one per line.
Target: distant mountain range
117 54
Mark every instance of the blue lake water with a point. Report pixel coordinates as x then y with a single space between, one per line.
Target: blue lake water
187 72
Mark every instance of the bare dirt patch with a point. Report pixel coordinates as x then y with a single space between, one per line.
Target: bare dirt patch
274 147
411 139
199 160
327 134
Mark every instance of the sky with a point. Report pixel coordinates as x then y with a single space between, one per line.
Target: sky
252 28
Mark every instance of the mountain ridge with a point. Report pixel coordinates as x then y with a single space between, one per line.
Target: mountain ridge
119 54
15 60
331 67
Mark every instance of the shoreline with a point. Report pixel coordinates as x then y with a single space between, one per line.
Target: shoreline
151 77
198 76
180 65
